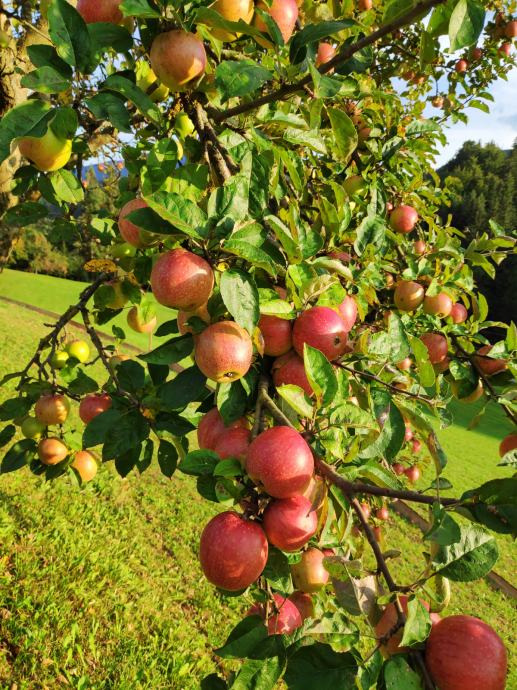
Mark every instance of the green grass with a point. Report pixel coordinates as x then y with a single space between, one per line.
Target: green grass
100 588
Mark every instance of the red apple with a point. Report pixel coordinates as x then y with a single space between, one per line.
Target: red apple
130 232
436 345
51 451
136 321
285 14
408 434
280 459
419 247
388 621
289 370
464 652
52 409
398 468
458 313
505 49
382 513
486 365
412 473
92 405
177 58
224 351
507 444
326 52
106 11
309 574
377 533
366 510
182 280
438 305
348 312
233 444
408 295
344 257
284 616
477 53
405 364
442 366
461 66
416 445
85 464
364 5
233 551
322 328
303 603
289 523
211 428
510 30
277 334
403 218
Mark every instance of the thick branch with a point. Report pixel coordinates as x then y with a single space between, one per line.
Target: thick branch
345 54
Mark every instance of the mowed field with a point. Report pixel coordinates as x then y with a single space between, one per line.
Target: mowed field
100 587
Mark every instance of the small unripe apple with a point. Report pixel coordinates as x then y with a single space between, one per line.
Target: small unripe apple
280 459
285 14
408 434
277 334
436 345
486 365
123 250
79 350
233 443
85 464
366 510
309 574
405 364
438 305
416 446
505 49
476 53
52 409
458 313
461 66
223 351
182 280
507 444
419 247
289 370
322 328
284 616
326 52
289 523
177 58
233 551
412 473
48 153
212 428
136 321
183 125
408 295
354 184
403 218
32 427
59 359
51 451
92 405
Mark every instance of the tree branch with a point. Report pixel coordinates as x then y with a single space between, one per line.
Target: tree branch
345 54
390 386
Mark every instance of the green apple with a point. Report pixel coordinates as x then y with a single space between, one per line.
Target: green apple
48 152
32 427
59 359
123 250
79 350
183 125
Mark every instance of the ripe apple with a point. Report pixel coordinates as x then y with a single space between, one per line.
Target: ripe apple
52 409
289 370
119 298
147 81
412 473
408 434
85 464
303 603
398 468
390 282
136 321
232 11
277 334
388 621
405 364
223 351
59 359
416 446
177 58
364 5
354 184
32 427
382 513
476 53
507 444
408 295
326 52
51 451
280 459
348 312
442 366
438 101
309 574
48 153
322 328
458 313
403 218
438 305
233 551
366 510
130 232
419 247
92 405
284 615
233 444
464 652
106 11
285 14
486 365
211 428
505 49
182 280
510 30
289 523
436 345
377 533
461 66
79 350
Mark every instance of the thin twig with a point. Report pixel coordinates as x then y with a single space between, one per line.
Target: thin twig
390 386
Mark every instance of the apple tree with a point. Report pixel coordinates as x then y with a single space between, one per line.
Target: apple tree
280 200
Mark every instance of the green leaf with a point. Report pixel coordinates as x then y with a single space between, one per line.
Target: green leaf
127 435
297 399
7 434
132 93
259 674
466 24
43 55
398 675
131 376
182 213
250 244
19 455
391 438
45 80
14 407
199 463
213 682
69 34
312 33
139 8
239 78
240 296
96 430
66 186
319 666
425 368
371 230
395 9
399 343
172 351
345 134
111 107
24 214
277 571
82 384
187 386
320 374
105 35
418 624
243 639
29 118
444 529
167 457
231 401
470 558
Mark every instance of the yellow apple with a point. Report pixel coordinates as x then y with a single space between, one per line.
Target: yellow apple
232 11
48 152
145 77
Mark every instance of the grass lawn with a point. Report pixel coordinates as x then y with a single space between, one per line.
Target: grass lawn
100 588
